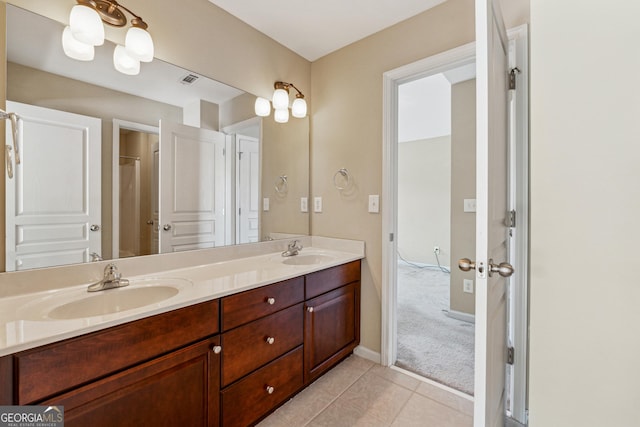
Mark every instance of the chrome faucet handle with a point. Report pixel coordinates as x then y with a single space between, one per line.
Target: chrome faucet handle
95 257
111 272
293 245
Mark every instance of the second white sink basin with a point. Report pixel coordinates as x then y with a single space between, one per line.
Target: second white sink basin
113 301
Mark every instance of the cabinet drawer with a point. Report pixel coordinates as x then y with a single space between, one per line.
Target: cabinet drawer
332 278
254 396
250 305
52 369
248 347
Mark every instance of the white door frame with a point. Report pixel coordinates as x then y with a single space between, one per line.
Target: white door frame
115 189
435 64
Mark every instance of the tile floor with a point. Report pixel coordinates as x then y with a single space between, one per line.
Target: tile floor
358 392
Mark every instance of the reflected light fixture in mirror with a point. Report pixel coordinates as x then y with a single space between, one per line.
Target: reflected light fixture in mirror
86 30
280 101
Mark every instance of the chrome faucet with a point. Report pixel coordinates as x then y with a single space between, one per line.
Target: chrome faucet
95 257
112 279
293 248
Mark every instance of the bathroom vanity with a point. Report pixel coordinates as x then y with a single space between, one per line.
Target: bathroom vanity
227 360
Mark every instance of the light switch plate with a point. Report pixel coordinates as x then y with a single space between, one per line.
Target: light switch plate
469 205
374 203
317 204
265 204
304 204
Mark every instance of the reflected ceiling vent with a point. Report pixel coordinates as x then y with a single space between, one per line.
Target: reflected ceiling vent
189 79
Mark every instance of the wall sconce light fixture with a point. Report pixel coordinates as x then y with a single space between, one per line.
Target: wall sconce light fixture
280 101
86 30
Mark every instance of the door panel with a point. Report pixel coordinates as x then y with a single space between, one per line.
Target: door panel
192 185
248 187
54 197
491 231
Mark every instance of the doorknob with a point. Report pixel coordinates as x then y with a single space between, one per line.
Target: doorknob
167 227
94 227
504 268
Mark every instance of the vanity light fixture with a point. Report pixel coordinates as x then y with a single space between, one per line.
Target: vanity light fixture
86 30
280 101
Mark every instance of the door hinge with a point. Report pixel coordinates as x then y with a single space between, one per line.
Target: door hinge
224 152
512 78
239 211
511 219
510 355
239 155
391 237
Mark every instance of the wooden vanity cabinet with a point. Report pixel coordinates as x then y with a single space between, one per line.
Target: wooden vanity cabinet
332 317
164 365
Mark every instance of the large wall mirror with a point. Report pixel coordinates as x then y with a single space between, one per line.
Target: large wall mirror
116 166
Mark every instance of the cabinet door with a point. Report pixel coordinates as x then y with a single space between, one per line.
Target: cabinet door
178 389
332 329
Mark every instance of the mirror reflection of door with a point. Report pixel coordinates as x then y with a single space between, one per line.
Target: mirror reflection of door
436 174
138 192
247 188
53 214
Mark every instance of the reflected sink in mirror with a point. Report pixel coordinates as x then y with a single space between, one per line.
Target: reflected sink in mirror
311 259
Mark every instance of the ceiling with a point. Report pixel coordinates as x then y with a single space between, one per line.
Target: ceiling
315 29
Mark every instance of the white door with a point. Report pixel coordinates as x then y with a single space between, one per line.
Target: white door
155 199
247 188
192 184
53 202
491 229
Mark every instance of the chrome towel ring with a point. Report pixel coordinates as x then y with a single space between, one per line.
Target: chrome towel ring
342 179
282 186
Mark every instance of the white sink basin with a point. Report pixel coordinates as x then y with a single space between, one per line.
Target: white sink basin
310 259
80 304
113 301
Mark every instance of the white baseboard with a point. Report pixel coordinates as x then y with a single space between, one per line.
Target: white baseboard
465 317
365 353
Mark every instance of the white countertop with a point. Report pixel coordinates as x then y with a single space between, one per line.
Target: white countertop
25 322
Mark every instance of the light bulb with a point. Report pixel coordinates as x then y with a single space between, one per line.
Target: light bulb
299 108
75 49
124 62
86 25
262 107
281 115
280 99
139 44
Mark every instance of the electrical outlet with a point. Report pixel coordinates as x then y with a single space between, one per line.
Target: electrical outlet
436 250
467 286
317 204
265 204
304 204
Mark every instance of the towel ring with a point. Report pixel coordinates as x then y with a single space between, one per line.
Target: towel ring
344 173
281 184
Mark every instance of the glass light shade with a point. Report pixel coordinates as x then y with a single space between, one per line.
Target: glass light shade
281 115
262 107
299 108
139 44
280 100
124 62
86 25
75 49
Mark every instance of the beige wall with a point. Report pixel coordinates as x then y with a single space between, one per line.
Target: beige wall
585 206
463 186
279 143
36 87
424 199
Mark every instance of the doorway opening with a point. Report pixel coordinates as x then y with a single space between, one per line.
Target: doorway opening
436 224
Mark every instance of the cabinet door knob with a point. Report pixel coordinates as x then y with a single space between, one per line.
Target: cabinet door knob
270 340
271 301
216 349
270 389
310 309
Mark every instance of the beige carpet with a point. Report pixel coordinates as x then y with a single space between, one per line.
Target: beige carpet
430 343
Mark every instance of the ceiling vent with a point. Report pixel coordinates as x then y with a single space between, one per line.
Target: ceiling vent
189 79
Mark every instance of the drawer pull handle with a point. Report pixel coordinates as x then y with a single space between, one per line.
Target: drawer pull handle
216 349
271 301
270 340
310 309
270 389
